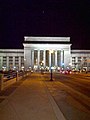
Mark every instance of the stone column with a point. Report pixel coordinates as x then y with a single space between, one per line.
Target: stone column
56 58
44 57
50 60
1 58
7 63
76 63
14 61
19 63
38 59
32 58
82 62
61 57
76 59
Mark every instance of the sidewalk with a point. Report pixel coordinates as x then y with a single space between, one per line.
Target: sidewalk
30 101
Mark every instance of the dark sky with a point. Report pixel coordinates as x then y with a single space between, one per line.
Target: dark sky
44 18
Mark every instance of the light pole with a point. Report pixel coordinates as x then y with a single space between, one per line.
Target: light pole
42 68
51 52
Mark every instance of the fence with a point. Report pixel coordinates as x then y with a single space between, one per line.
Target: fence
10 77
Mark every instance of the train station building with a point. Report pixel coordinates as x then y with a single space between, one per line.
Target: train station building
45 53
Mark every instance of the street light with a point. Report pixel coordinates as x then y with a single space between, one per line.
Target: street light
42 68
51 51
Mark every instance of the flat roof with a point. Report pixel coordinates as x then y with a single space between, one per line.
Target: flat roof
11 50
46 39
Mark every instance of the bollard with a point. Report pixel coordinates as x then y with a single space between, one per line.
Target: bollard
24 74
1 82
17 76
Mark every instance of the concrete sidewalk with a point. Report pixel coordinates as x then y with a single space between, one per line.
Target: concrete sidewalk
30 101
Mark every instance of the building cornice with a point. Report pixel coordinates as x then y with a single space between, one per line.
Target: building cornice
47 39
11 50
80 51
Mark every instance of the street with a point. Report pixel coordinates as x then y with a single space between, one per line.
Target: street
71 93
37 97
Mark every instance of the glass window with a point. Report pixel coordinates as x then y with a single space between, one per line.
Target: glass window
22 61
47 57
4 61
59 58
41 55
35 57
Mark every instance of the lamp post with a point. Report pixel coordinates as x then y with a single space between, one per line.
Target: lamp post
42 68
51 52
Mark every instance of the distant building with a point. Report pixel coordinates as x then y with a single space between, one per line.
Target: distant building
11 59
45 53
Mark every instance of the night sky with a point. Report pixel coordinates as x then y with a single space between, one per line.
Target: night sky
61 18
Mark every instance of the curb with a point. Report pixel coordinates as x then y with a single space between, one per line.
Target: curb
55 107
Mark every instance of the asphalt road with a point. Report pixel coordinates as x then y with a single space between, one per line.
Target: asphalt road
71 93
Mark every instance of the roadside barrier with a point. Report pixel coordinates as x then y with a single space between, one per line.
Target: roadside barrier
1 82
7 79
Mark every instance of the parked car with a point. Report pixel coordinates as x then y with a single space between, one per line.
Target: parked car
65 71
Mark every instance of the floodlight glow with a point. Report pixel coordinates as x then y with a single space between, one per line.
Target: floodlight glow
58 68
42 61
62 63
70 64
67 67
52 67
22 67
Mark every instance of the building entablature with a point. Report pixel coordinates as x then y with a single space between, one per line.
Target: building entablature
81 51
11 51
47 46
47 39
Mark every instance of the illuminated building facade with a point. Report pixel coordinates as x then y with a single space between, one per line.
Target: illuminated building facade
37 51
46 53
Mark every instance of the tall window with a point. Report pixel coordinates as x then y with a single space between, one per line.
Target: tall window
73 61
41 55
47 57
22 61
35 57
10 62
17 61
59 58
4 61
